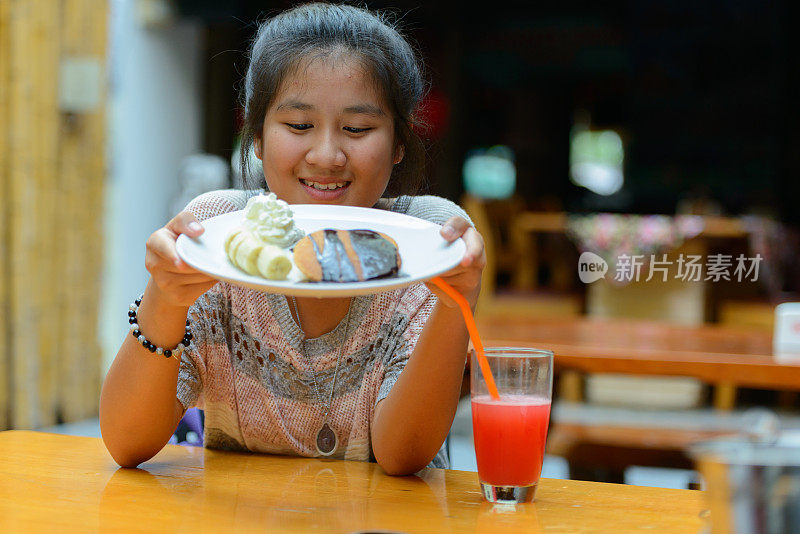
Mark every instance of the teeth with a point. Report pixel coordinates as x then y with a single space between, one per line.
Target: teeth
324 187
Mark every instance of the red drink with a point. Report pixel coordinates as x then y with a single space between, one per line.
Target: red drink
509 436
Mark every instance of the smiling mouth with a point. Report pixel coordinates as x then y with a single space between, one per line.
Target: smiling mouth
324 187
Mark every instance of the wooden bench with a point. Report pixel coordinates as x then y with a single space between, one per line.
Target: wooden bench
600 442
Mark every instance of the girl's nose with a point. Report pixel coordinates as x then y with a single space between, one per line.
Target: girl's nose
325 151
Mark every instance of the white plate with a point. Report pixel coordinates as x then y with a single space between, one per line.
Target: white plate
423 252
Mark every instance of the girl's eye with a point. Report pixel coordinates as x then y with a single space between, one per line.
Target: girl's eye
354 130
300 127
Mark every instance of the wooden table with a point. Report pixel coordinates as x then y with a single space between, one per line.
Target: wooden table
723 357
556 222
713 354
62 483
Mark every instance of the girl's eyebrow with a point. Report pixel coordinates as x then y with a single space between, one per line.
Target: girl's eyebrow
364 109
295 104
357 109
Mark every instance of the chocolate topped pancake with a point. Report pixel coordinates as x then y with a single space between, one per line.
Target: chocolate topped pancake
346 255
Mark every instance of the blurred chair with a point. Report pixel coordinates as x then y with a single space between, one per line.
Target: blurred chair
747 313
505 251
510 252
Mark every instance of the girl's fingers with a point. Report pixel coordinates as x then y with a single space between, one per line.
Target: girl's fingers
178 281
454 228
185 223
466 276
473 240
162 244
474 256
474 260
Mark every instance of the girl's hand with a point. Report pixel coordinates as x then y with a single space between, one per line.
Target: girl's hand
176 283
465 277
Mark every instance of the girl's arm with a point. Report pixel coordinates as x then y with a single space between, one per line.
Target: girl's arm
411 423
139 409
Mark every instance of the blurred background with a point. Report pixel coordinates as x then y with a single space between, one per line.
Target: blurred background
670 127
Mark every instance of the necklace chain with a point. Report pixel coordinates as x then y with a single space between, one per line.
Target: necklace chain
326 406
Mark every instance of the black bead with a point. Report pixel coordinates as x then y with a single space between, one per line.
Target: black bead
137 301
151 348
131 313
188 335
186 342
188 322
167 353
132 320
136 333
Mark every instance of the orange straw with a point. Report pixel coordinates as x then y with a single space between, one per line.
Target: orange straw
472 328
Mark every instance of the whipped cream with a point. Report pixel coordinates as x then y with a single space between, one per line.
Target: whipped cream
271 220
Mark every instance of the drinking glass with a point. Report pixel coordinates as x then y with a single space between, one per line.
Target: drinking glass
510 432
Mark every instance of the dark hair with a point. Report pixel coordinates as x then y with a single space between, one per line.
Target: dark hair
284 40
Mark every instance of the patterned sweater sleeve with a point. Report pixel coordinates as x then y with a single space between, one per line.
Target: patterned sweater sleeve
192 370
406 325
435 209
207 316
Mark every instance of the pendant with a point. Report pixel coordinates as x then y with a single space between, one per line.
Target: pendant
326 440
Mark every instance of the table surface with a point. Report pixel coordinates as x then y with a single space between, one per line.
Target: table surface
711 353
67 483
547 221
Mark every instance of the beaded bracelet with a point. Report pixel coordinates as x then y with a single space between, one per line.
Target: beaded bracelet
132 319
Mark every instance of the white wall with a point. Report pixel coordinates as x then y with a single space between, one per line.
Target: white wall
154 121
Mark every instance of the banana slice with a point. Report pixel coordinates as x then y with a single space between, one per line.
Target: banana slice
247 252
230 249
273 262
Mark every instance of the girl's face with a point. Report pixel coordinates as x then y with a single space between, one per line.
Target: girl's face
328 136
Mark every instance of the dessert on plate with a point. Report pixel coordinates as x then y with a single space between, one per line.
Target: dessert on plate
261 244
269 244
331 255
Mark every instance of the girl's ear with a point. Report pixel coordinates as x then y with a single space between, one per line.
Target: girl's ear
257 147
399 152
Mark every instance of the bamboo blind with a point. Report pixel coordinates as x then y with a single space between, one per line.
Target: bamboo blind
5 193
53 169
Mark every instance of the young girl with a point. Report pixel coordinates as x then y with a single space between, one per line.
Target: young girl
329 96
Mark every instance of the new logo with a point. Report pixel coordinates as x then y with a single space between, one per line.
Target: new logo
591 267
